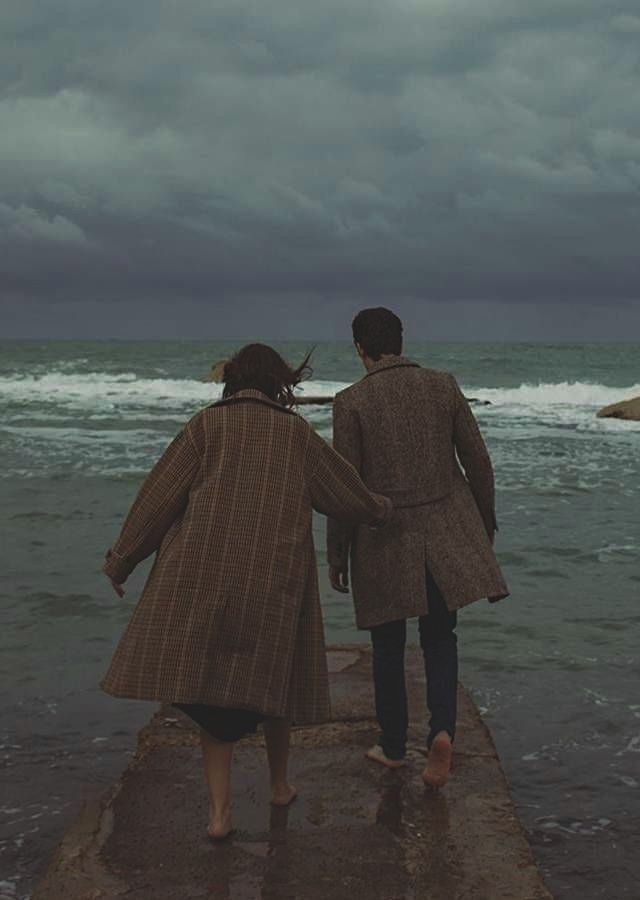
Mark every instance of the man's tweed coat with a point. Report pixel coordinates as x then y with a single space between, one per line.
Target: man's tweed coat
230 613
401 426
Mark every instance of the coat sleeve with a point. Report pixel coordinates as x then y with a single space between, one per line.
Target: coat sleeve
474 458
161 499
347 442
337 490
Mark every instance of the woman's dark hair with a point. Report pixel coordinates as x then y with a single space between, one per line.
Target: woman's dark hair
259 367
378 331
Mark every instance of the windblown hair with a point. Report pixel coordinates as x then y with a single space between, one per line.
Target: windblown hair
378 331
259 367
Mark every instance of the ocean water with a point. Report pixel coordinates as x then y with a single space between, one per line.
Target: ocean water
555 668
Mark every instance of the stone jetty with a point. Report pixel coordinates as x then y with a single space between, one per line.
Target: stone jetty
356 830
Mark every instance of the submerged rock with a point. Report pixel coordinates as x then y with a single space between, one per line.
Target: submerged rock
625 409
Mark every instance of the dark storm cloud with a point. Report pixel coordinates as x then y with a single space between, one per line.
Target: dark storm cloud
441 149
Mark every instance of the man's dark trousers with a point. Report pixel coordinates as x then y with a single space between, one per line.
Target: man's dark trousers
439 646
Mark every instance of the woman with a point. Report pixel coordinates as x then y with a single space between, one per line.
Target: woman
229 626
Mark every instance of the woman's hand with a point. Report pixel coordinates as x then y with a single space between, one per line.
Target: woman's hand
117 587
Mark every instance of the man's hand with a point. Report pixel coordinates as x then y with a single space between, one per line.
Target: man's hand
117 587
339 579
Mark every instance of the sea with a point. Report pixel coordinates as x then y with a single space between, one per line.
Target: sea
554 669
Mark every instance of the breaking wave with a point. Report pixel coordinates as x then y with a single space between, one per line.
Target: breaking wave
106 392
101 422
107 389
564 393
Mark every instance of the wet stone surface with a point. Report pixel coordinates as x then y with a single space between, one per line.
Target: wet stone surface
355 829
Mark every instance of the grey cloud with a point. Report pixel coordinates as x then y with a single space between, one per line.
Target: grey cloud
451 150
26 224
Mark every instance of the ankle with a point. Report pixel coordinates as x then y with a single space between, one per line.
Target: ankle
220 811
280 784
440 737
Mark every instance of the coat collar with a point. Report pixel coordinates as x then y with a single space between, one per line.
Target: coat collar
251 395
391 362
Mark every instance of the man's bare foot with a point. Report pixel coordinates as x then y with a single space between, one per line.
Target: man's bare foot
220 826
283 794
436 773
377 754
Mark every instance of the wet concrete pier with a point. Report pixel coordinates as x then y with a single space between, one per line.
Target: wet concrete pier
356 830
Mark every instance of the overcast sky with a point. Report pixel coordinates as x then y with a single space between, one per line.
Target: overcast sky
267 167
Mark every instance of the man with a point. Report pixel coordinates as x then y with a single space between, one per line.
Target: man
408 430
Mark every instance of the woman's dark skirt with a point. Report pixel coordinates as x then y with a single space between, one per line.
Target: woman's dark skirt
227 725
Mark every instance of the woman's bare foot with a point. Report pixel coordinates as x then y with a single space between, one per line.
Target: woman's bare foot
377 754
220 825
283 794
436 773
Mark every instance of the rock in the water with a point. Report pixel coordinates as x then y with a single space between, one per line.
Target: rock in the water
625 409
216 372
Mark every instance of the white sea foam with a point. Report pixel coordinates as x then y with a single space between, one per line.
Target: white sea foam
321 388
629 781
562 404
47 433
612 552
632 747
553 394
102 391
52 419
103 388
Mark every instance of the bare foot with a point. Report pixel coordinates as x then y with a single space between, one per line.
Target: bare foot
283 795
377 754
436 773
220 826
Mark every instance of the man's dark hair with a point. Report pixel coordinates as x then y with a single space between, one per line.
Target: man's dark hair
378 331
260 367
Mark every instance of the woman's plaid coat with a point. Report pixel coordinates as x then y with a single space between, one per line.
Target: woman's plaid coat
230 613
